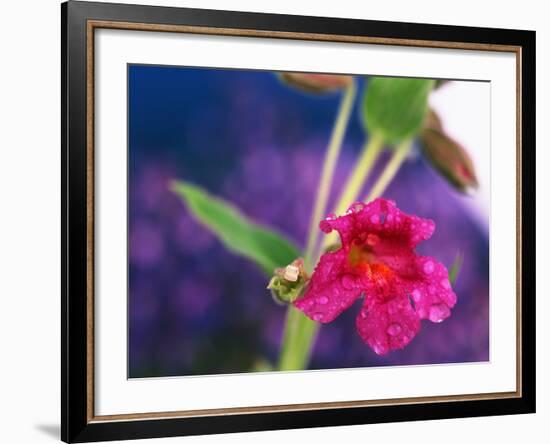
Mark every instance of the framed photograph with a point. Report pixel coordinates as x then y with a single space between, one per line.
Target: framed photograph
275 221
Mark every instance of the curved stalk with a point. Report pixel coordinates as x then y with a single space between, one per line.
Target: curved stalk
390 170
297 340
369 156
300 331
329 164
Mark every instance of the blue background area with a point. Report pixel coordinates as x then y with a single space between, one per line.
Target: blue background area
195 308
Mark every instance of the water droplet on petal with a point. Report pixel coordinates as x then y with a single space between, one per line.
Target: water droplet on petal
416 295
323 300
378 349
438 312
348 282
325 226
357 207
375 218
394 329
428 267
318 317
372 239
330 216
364 313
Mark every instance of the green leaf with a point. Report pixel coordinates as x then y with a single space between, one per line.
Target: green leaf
238 233
395 107
455 268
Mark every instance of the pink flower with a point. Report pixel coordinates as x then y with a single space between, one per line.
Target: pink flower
377 260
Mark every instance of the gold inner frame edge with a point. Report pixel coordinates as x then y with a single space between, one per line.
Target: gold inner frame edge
105 24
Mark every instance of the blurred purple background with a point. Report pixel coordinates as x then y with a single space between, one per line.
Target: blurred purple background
195 308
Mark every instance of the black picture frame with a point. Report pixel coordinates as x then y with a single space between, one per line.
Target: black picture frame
76 423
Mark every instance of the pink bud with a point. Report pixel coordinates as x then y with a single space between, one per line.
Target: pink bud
316 83
447 156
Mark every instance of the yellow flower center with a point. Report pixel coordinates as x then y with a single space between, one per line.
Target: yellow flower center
364 261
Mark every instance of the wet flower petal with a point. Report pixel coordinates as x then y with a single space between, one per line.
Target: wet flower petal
388 326
430 290
380 217
332 292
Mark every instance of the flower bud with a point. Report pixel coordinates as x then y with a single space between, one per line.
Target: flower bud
288 283
447 156
291 273
316 83
432 121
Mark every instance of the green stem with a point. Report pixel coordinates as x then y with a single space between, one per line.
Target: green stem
297 340
390 170
356 180
332 153
299 333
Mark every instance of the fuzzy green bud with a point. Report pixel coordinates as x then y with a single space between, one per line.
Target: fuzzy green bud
288 283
